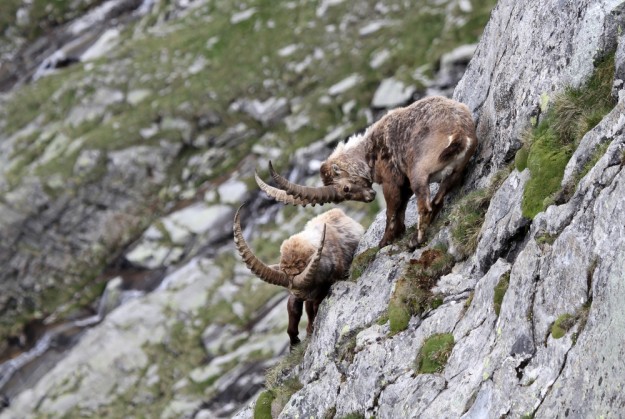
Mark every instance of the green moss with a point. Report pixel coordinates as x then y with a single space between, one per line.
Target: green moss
520 158
562 324
262 409
573 113
354 415
546 238
469 300
284 392
383 319
398 316
466 215
434 353
546 161
500 291
360 263
275 375
412 295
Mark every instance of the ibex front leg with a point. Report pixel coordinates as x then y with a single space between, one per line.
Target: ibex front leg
294 307
396 197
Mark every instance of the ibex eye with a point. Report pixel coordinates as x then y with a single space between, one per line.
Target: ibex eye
345 188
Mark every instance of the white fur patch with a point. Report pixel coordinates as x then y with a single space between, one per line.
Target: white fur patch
313 235
450 138
355 140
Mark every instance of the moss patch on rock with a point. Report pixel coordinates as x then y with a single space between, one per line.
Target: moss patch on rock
562 325
360 263
262 409
434 353
552 143
412 294
500 291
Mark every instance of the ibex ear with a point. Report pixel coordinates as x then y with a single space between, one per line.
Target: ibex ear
336 169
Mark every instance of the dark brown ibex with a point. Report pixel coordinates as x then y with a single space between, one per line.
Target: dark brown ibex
310 262
431 140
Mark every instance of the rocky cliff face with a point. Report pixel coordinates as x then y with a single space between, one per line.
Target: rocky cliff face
130 133
123 173
548 345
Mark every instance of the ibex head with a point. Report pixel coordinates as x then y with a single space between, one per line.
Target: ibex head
298 263
346 177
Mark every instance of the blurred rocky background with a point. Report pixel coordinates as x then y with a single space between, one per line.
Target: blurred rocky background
129 134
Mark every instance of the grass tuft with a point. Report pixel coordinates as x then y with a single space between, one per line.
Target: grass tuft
552 143
434 353
466 217
500 291
412 294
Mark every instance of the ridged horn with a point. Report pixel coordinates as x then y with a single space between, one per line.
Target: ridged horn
264 272
306 277
318 195
279 194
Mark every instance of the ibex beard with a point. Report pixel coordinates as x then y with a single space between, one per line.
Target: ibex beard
310 262
431 140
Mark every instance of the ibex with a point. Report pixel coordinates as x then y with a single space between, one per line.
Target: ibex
310 262
431 140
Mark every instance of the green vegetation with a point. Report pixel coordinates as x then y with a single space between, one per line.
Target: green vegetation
562 325
500 291
44 15
467 214
279 380
434 353
360 263
412 295
262 410
520 158
354 415
551 144
546 238
596 155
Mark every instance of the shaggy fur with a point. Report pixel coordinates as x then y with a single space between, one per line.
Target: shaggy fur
431 140
342 235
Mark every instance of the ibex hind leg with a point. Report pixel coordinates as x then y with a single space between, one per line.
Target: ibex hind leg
421 189
445 186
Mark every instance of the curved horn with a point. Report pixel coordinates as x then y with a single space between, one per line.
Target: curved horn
318 195
259 269
279 194
306 277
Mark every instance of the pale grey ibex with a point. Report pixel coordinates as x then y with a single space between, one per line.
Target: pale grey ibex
310 262
431 140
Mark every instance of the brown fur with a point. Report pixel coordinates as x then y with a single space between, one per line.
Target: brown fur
341 239
431 140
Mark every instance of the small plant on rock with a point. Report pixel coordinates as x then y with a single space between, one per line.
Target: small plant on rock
500 291
562 325
361 261
434 353
413 295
